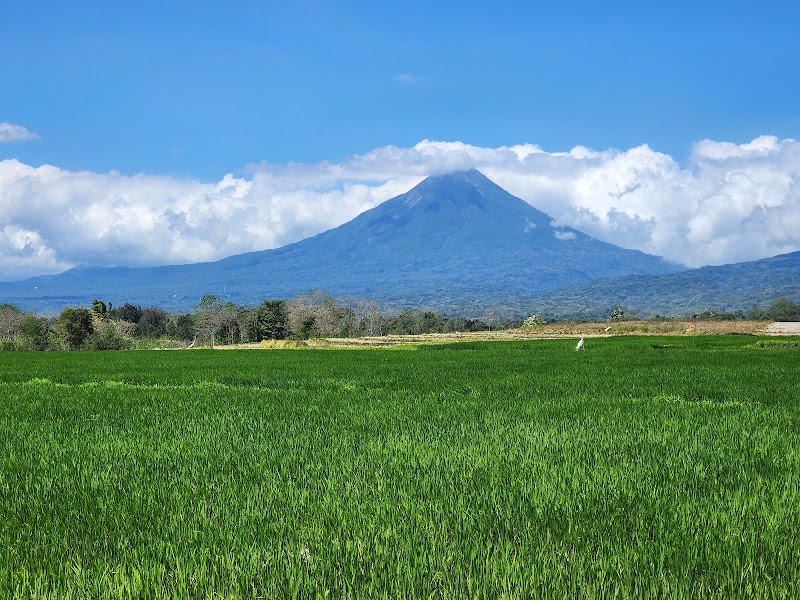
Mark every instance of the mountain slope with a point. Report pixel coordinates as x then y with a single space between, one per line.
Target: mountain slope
451 237
724 288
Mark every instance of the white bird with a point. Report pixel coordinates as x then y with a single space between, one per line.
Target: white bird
579 346
607 328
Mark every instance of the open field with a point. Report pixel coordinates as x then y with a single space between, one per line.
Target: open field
568 329
642 467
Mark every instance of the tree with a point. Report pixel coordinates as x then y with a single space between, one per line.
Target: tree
230 322
210 317
76 324
152 323
431 322
533 321
619 314
405 323
127 312
11 319
100 309
247 324
272 321
308 328
783 309
490 318
181 327
327 315
33 333
755 314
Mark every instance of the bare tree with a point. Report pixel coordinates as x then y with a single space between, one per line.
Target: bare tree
316 308
369 317
11 319
210 318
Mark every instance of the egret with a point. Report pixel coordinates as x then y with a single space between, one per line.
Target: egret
579 346
607 328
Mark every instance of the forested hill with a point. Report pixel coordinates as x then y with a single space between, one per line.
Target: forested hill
725 288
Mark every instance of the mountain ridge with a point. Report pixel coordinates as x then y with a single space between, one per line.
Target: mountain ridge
721 288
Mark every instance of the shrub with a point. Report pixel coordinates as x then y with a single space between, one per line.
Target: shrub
107 339
533 321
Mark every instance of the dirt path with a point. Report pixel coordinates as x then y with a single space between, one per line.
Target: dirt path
788 328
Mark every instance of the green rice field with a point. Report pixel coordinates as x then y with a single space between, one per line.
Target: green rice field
642 467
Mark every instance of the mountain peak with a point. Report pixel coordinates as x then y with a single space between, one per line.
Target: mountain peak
456 189
468 176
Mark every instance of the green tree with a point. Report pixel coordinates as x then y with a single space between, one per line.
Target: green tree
153 323
100 309
127 312
405 323
181 327
33 333
783 309
533 321
431 322
308 328
76 324
272 320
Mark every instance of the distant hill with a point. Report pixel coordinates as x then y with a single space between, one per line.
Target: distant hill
455 242
725 288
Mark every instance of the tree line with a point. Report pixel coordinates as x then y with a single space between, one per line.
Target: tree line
220 322
217 322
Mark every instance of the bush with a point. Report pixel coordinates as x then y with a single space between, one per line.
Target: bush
619 314
108 339
533 321
715 316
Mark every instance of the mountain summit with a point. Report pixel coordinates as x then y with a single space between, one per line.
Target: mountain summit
454 240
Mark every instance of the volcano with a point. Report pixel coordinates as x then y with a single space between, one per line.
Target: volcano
454 240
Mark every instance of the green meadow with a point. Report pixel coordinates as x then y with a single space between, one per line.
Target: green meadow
641 467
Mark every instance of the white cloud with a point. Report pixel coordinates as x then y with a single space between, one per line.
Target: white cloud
732 202
15 133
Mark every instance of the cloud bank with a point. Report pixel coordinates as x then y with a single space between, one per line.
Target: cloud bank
15 133
730 203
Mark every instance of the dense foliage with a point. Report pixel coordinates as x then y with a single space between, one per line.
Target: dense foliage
642 467
781 310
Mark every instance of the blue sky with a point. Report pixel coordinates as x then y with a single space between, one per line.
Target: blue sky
144 133
204 88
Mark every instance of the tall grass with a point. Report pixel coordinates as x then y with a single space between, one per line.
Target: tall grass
642 467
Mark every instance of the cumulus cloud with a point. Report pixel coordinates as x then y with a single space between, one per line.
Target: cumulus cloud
15 133
731 202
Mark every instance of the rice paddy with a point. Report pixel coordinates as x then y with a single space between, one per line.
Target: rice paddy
639 467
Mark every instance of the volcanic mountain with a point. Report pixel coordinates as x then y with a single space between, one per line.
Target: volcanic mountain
455 240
